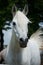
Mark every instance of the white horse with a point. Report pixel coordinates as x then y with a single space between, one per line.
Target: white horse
21 51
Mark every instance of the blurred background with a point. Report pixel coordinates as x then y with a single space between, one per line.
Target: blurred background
35 15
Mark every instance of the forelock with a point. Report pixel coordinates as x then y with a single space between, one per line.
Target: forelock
20 19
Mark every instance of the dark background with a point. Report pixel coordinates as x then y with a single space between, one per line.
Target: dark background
35 13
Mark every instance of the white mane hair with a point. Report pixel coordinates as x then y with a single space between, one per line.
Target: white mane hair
37 38
21 18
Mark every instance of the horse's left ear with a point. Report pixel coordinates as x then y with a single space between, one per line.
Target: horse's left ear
25 10
14 9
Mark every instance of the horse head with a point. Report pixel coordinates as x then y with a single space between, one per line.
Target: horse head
20 24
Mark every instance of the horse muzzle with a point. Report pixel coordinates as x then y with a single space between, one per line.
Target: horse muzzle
23 43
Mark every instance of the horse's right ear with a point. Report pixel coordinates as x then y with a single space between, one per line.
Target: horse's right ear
25 10
14 9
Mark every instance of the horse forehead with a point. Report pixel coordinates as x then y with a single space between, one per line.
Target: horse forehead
20 18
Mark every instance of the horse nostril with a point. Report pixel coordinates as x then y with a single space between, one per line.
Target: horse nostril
26 39
21 39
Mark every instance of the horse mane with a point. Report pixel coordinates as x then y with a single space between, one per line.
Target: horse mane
37 37
21 18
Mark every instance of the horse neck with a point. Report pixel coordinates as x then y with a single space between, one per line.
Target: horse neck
14 44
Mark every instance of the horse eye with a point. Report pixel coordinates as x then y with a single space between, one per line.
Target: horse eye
14 23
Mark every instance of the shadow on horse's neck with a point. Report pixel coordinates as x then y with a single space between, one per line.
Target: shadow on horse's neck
14 43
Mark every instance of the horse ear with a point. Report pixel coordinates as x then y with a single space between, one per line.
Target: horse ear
14 9
25 10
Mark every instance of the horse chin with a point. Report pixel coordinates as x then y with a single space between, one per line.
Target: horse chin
23 44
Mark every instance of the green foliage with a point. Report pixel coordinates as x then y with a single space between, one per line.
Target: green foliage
35 14
5 10
35 11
